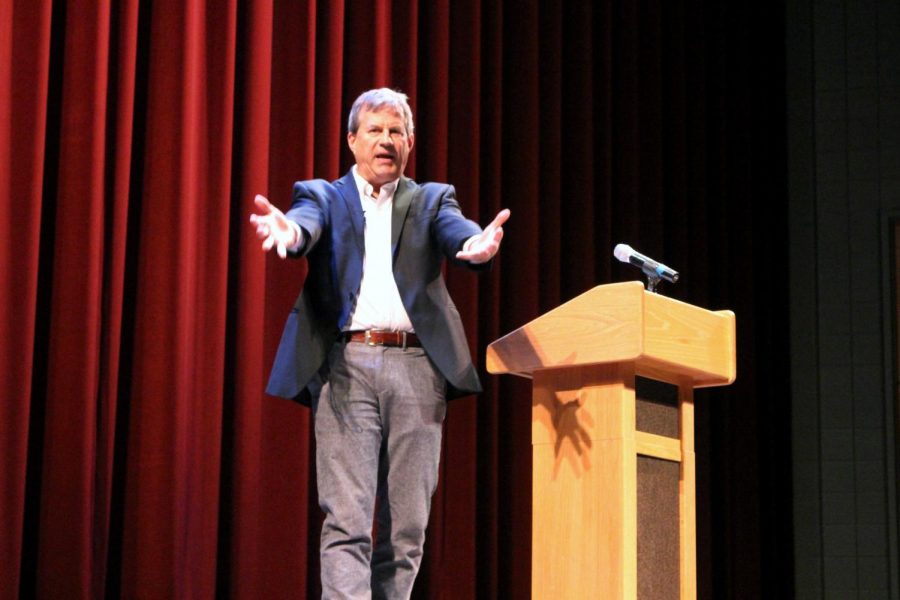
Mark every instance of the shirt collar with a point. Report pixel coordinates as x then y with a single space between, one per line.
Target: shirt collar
365 188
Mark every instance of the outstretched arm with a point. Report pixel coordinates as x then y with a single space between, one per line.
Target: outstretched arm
274 228
482 247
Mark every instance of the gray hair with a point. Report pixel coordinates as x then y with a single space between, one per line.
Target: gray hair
377 99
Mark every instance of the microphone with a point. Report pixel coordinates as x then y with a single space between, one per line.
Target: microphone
650 267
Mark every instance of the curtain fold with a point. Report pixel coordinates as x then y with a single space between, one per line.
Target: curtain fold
24 88
173 440
139 456
71 433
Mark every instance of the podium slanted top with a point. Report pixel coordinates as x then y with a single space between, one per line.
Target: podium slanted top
668 340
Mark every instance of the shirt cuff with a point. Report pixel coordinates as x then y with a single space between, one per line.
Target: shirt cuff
298 237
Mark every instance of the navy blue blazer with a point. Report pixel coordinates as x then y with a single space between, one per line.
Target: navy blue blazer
427 226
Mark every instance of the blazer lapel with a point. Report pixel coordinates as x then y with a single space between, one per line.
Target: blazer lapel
354 208
402 200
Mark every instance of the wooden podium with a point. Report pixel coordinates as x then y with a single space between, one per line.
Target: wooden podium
614 475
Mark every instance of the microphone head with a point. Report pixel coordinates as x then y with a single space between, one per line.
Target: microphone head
623 252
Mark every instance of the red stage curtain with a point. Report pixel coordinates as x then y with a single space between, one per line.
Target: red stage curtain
139 456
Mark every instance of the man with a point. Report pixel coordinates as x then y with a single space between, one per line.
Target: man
375 343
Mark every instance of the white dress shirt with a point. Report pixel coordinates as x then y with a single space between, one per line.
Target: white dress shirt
378 305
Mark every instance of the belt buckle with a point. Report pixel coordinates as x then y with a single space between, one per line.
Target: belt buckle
370 342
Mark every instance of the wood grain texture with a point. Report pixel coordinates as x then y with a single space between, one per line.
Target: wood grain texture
584 485
666 339
688 495
657 446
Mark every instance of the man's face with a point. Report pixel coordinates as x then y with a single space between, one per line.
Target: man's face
381 146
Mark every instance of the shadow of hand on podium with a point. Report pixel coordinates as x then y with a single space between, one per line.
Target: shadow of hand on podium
572 441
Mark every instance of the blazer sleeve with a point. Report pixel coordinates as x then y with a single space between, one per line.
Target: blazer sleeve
451 229
309 210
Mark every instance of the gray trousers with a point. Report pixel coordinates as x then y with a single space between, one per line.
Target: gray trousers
378 424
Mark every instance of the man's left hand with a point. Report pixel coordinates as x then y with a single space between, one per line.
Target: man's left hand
482 248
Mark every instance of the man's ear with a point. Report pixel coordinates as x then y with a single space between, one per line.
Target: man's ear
412 140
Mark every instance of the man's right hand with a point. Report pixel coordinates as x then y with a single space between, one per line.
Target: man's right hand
273 227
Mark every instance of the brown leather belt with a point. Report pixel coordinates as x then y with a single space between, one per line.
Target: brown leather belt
374 337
